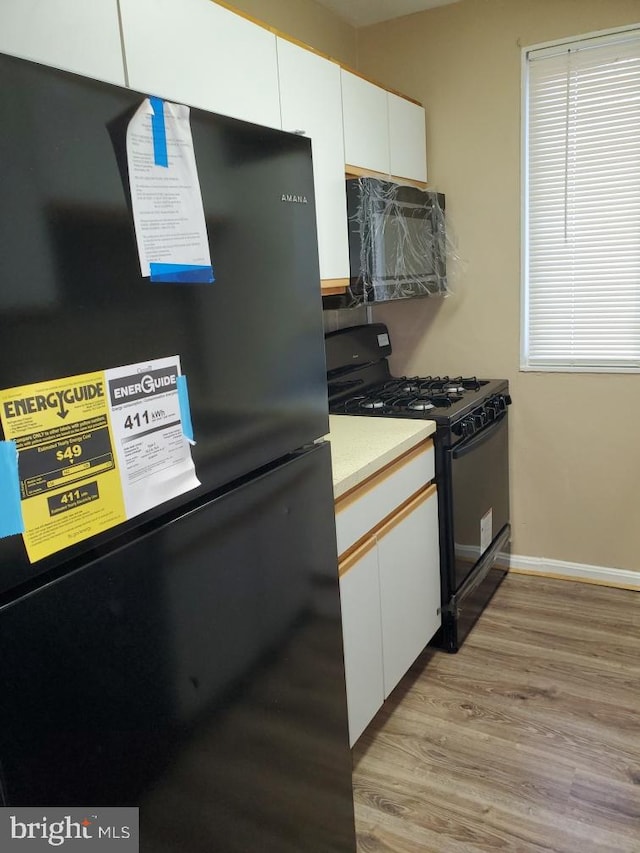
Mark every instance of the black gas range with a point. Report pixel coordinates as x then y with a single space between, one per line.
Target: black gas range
471 453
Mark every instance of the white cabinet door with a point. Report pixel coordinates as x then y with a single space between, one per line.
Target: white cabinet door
198 53
407 139
311 101
409 564
82 36
366 129
362 637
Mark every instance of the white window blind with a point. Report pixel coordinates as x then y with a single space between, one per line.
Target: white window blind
581 307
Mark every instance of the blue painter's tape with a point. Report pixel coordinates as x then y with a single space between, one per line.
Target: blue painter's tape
160 157
182 273
10 510
185 408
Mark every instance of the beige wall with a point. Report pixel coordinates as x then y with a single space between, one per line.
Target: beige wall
306 21
575 438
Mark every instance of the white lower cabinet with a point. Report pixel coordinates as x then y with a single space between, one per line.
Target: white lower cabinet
409 567
362 637
389 581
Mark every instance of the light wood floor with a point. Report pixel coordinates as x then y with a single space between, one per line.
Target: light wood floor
527 740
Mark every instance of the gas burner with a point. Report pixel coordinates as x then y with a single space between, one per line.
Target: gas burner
421 405
443 400
446 385
443 385
372 404
399 386
461 384
413 384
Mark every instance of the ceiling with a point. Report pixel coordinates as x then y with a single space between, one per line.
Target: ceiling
361 13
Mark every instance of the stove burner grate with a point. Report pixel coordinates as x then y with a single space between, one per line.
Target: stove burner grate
409 395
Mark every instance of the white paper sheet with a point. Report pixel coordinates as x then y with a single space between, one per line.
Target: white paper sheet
168 213
486 530
154 456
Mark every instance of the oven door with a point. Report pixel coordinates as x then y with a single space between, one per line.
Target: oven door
479 478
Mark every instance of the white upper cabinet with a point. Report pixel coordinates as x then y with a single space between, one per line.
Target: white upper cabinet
311 102
407 138
82 36
382 131
366 127
198 53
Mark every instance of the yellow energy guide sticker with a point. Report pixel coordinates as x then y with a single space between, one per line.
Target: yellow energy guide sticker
95 450
69 484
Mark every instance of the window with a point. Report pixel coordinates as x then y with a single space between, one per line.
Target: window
581 205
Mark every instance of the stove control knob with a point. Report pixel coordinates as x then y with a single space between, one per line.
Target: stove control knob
463 428
468 426
497 404
479 419
490 410
502 402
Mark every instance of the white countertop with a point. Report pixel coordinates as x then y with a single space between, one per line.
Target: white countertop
360 446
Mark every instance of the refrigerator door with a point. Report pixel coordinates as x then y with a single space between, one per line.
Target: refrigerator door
73 299
197 673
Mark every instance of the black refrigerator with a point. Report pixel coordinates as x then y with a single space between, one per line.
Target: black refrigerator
187 659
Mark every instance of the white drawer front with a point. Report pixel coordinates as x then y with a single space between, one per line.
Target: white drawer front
360 512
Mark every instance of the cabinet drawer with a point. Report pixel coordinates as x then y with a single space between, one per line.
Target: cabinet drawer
360 511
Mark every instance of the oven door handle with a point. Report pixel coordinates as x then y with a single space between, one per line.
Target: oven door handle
478 439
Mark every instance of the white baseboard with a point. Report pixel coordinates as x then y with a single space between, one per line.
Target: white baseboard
548 568
543 566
